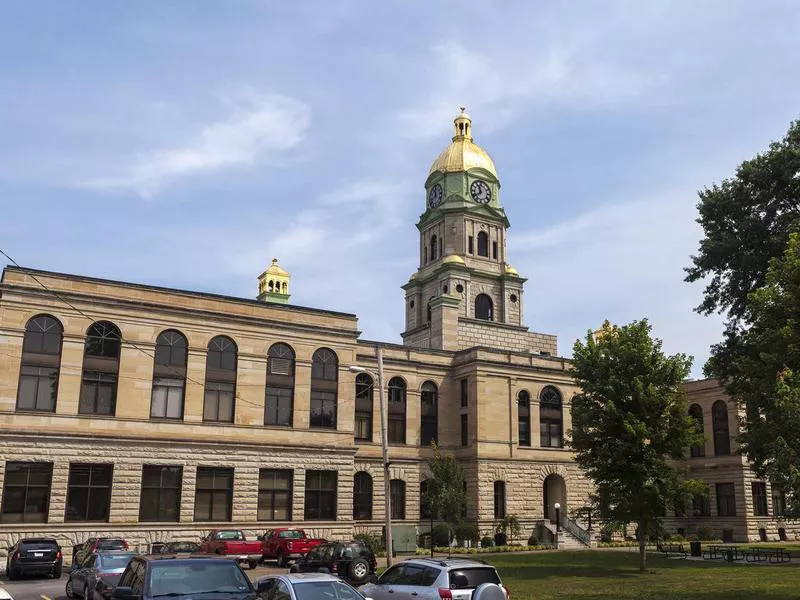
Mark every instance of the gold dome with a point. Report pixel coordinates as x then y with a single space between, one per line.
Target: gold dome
511 271
463 154
452 258
274 269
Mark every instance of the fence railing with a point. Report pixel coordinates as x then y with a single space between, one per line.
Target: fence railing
576 530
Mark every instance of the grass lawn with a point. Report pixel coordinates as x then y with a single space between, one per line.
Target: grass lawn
607 575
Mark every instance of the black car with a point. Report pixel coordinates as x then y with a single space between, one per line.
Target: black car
34 555
353 561
97 575
179 548
159 576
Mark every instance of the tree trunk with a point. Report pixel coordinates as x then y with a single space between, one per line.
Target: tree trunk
641 535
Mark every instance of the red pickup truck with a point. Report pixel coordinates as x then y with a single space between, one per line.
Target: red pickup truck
231 543
283 544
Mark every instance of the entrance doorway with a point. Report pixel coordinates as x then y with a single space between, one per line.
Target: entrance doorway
554 489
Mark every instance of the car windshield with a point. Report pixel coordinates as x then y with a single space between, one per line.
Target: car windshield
325 590
114 562
111 545
291 534
38 545
461 579
169 578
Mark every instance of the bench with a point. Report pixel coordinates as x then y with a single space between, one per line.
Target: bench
672 549
729 553
773 555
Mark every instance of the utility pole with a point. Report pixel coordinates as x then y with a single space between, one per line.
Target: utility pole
387 488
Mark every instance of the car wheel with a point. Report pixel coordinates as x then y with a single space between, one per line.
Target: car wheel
69 591
252 564
281 560
359 570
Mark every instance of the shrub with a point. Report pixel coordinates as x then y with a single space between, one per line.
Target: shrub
678 538
441 535
467 532
373 540
704 534
487 542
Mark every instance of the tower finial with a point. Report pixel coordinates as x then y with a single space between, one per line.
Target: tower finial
463 125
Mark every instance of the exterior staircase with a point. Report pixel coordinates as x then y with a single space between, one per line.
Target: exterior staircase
570 536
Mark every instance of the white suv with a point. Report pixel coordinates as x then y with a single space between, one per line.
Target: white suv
433 579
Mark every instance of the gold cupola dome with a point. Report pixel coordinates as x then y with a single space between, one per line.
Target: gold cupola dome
463 154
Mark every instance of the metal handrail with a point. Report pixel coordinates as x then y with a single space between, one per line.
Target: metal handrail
578 532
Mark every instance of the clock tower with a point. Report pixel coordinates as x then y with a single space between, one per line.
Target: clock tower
464 293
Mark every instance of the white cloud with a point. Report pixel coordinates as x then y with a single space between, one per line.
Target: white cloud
257 131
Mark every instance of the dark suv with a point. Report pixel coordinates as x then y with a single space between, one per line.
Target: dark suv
353 561
34 555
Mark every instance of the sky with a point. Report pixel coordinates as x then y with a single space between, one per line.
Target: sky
187 143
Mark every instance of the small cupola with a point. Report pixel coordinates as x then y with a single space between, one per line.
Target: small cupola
463 125
273 284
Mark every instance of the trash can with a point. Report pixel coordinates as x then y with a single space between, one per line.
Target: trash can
695 548
500 539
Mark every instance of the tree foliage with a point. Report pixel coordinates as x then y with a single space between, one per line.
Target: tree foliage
630 425
747 221
444 494
764 373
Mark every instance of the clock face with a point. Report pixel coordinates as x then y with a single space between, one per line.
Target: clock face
435 196
480 192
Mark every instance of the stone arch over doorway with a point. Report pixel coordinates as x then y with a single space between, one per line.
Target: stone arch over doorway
554 490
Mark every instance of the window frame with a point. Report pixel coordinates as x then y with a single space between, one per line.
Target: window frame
549 423
499 489
363 490
324 402
273 492
160 491
696 412
315 513
397 492
484 307
39 362
524 437
213 492
45 469
165 374
726 503
483 244
758 490
279 391
220 377
100 368
91 491
397 399
429 423
721 428
364 403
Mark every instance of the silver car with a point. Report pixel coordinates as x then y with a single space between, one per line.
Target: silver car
305 586
434 579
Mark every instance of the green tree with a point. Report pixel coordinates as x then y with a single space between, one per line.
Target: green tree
764 374
630 425
444 494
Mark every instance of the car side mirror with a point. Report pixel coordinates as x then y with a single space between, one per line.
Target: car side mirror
123 593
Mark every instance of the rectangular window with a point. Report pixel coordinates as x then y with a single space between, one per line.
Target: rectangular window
396 426
37 388
464 393
26 492
397 492
550 434
499 499
167 400
214 494
98 393
275 495
278 407
464 506
701 507
218 404
88 492
323 409
470 245
494 250
778 502
726 500
161 493
759 489
320 500
464 430
524 408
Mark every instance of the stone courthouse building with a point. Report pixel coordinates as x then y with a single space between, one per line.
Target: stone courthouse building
159 413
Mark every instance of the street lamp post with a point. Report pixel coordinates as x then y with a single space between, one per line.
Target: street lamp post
387 490
557 506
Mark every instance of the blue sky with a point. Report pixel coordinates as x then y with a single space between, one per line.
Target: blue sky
186 143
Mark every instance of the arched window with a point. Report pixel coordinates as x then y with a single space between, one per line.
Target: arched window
397 411
169 375
429 426
434 247
483 244
324 388
424 505
722 438
362 496
524 408
696 412
483 307
220 389
499 499
41 360
279 397
100 369
550 418
397 490
364 391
